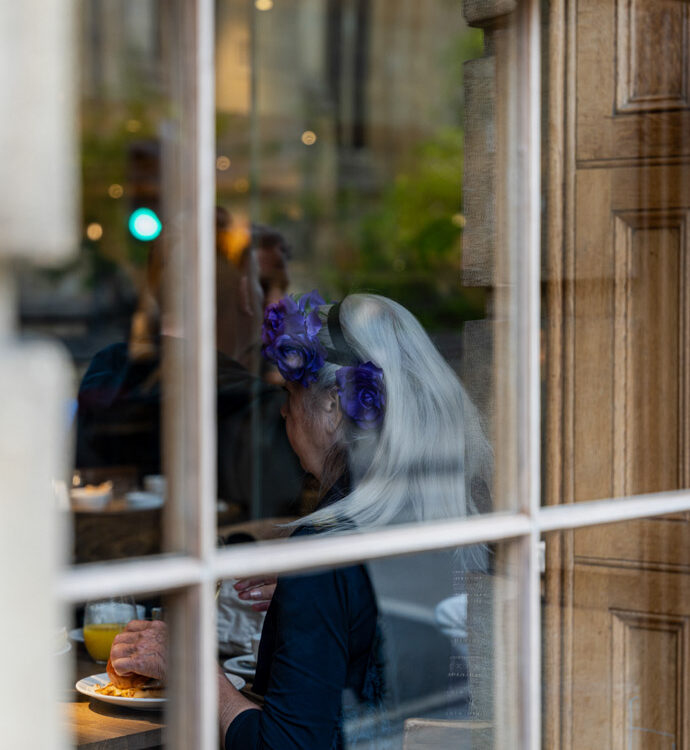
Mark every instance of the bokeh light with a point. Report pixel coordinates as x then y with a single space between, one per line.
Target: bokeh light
309 138
94 231
241 185
144 224
115 190
223 163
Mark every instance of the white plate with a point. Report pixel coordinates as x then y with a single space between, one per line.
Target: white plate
88 686
236 681
243 665
143 500
64 650
77 635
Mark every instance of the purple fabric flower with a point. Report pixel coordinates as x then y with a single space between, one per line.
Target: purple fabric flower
310 302
298 357
274 319
362 394
289 336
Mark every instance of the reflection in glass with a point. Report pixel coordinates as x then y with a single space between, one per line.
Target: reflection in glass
616 343
616 615
393 651
339 132
97 705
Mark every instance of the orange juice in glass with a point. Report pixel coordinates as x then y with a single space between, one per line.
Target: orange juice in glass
103 620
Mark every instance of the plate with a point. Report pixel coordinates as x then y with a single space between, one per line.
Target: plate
88 686
77 635
143 500
236 681
64 650
243 665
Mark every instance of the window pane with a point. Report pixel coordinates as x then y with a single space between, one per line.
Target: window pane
616 331
416 652
615 640
346 134
98 707
106 306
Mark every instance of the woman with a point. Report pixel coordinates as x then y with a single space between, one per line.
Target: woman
375 413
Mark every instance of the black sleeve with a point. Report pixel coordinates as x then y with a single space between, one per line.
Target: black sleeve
308 669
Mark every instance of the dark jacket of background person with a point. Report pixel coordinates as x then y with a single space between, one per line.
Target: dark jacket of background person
119 418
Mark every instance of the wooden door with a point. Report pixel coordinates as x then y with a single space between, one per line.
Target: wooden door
617 635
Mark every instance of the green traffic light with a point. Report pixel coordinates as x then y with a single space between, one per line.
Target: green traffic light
144 224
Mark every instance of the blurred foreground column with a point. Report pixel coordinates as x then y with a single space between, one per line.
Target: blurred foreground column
38 199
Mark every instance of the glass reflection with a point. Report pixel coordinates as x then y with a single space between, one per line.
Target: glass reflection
339 167
616 626
391 654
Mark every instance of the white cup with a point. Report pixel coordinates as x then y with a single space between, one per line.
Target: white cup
155 483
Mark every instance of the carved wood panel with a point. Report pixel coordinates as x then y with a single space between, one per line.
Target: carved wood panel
648 680
631 338
630 666
650 344
643 28
632 80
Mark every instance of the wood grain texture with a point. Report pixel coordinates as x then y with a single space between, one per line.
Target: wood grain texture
631 100
643 28
96 728
617 392
630 647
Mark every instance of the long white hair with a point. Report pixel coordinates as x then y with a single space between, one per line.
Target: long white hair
430 450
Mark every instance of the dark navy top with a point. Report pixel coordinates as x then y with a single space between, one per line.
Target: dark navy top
318 641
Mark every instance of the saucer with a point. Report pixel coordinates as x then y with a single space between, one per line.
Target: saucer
243 665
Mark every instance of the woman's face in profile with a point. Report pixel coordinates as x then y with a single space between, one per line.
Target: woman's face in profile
306 434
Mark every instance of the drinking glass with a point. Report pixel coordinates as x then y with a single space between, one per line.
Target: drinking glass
103 620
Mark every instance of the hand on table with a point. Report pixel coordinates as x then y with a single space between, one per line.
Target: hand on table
258 590
141 648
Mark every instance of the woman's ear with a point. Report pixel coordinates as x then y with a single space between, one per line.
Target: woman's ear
333 414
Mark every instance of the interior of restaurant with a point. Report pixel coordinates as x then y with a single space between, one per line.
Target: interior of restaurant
339 158
344 352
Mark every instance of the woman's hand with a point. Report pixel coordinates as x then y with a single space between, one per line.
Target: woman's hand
257 590
141 648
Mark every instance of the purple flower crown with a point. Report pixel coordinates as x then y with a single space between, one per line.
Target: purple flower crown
290 340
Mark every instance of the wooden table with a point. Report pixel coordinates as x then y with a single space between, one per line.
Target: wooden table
95 725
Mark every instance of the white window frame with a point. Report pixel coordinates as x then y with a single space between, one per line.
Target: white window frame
189 577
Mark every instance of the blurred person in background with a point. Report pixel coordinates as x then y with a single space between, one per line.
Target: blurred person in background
119 412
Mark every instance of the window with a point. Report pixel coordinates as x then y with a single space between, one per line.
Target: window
568 284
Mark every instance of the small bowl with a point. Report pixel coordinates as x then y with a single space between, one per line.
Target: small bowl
92 496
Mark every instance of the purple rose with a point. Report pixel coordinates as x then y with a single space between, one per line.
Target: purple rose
362 394
297 357
310 302
289 336
274 319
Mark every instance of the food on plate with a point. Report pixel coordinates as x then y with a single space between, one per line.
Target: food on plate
97 489
130 686
93 495
133 692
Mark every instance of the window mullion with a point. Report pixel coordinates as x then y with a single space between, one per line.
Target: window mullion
189 369
527 221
